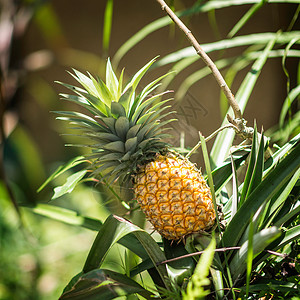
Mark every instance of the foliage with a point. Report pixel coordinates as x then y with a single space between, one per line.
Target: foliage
257 250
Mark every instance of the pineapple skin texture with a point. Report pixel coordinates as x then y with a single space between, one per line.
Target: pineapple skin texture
174 197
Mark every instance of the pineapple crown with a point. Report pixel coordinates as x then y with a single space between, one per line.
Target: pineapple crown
123 127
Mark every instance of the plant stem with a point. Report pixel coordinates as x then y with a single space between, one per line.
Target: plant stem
215 71
197 253
210 137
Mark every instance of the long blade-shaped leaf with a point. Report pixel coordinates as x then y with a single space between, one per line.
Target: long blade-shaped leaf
107 24
61 169
104 284
262 194
293 94
178 270
224 139
261 240
223 174
164 21
250 168
258 168
66 216
277 204
278 155
246 40
235 192
288 236
195 288
69 185
245 18
111 232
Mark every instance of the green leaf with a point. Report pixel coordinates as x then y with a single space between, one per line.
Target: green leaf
70 184
222 174
138 75
293 94
72 282
111 232
104 284
256 176
288 216
121 127
117 109
146 91
209 176
90 98
261 240
132 132
66 216
277 203
195 288
112 82
246 17
275 180
179 270
134 83
272 286
164 21
61 169
85 103
251 39
236 64
141 267
120 86
126 98
74 218
235 192
251 164
131 144
224 139
108 17
279 154
103 93
287 237
117 146
290 235
250 255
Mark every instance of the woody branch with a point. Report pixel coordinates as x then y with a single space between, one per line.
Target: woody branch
238 121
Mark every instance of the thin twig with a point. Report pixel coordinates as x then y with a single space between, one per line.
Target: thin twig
210 137
196 253
284 255
215 71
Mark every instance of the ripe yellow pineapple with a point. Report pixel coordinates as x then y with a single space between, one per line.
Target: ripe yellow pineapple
174 196
128 145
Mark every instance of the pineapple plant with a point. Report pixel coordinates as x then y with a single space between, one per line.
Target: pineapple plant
127 146
261 211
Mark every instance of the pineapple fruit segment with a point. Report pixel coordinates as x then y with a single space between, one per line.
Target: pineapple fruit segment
174 197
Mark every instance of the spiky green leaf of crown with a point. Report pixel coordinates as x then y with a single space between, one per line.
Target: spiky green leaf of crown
123 127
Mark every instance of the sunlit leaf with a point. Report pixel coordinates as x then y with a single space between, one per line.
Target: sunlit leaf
224 139
104 284
195 288
261 240
246 17
262 194
66 216
111 232
70 184
107 22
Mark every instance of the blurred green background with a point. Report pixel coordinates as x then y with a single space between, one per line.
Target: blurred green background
39 41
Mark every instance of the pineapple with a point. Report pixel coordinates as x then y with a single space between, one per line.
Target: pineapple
127 144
